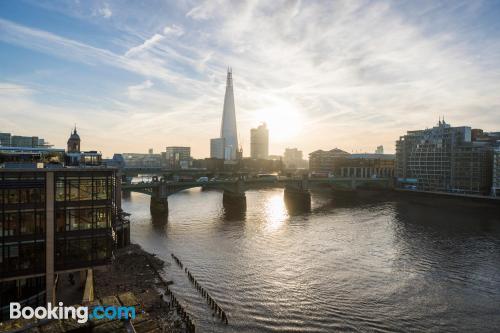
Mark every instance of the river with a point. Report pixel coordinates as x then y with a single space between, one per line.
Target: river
376 265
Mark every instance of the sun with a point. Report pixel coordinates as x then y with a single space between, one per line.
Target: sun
283 121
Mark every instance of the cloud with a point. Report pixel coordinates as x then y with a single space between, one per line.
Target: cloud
148 43
173 30
105 11
135 91
359 73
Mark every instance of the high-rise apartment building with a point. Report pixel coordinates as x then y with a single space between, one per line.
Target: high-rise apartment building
259 142
445 158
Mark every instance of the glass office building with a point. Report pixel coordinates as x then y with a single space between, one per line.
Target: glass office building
55 220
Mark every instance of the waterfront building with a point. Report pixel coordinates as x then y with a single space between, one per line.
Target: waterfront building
367 166
253 165
321 161
228 128
259 142
178 157
446 158
293 159
140 160
495 186
54 219
217 148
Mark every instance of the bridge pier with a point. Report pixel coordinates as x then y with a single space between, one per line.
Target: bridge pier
297 196
234 200
234 196
158 206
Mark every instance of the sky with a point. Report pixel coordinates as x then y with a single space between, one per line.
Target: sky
134 75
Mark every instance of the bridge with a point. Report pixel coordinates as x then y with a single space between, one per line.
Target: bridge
296 191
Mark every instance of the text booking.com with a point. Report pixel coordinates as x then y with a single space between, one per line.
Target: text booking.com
80 313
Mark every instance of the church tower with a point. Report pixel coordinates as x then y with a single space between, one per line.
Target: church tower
74 142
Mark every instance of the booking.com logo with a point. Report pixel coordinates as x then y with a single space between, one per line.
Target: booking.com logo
81 313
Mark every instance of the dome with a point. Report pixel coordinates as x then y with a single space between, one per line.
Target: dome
74 135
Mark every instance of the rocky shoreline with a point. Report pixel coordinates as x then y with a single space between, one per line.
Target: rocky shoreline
137 271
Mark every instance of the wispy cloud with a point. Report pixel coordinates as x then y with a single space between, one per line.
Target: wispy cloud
354 74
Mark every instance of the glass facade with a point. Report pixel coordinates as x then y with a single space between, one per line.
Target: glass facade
22 223
85 213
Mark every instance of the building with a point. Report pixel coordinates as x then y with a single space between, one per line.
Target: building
217 148
54 219
228 128
75 157
259 142
5 139
379 150
495 186
27 157
178 157
8 140
321 161
139 160
293 159
367 166
73 145
338 163
445 158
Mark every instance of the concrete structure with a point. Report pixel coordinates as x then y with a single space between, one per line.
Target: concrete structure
217 148
259 142
296 190
178 157
228 128
445 158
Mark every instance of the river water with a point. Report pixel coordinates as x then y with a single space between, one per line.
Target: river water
369 266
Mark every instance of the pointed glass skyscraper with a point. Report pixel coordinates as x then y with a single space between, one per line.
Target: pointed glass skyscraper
228 129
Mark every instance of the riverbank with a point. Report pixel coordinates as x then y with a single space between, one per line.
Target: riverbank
135 270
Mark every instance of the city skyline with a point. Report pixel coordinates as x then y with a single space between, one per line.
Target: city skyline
355 75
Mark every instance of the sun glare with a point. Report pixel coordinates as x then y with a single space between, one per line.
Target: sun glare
284 122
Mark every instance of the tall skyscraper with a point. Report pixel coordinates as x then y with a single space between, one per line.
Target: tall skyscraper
228 129
259 142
